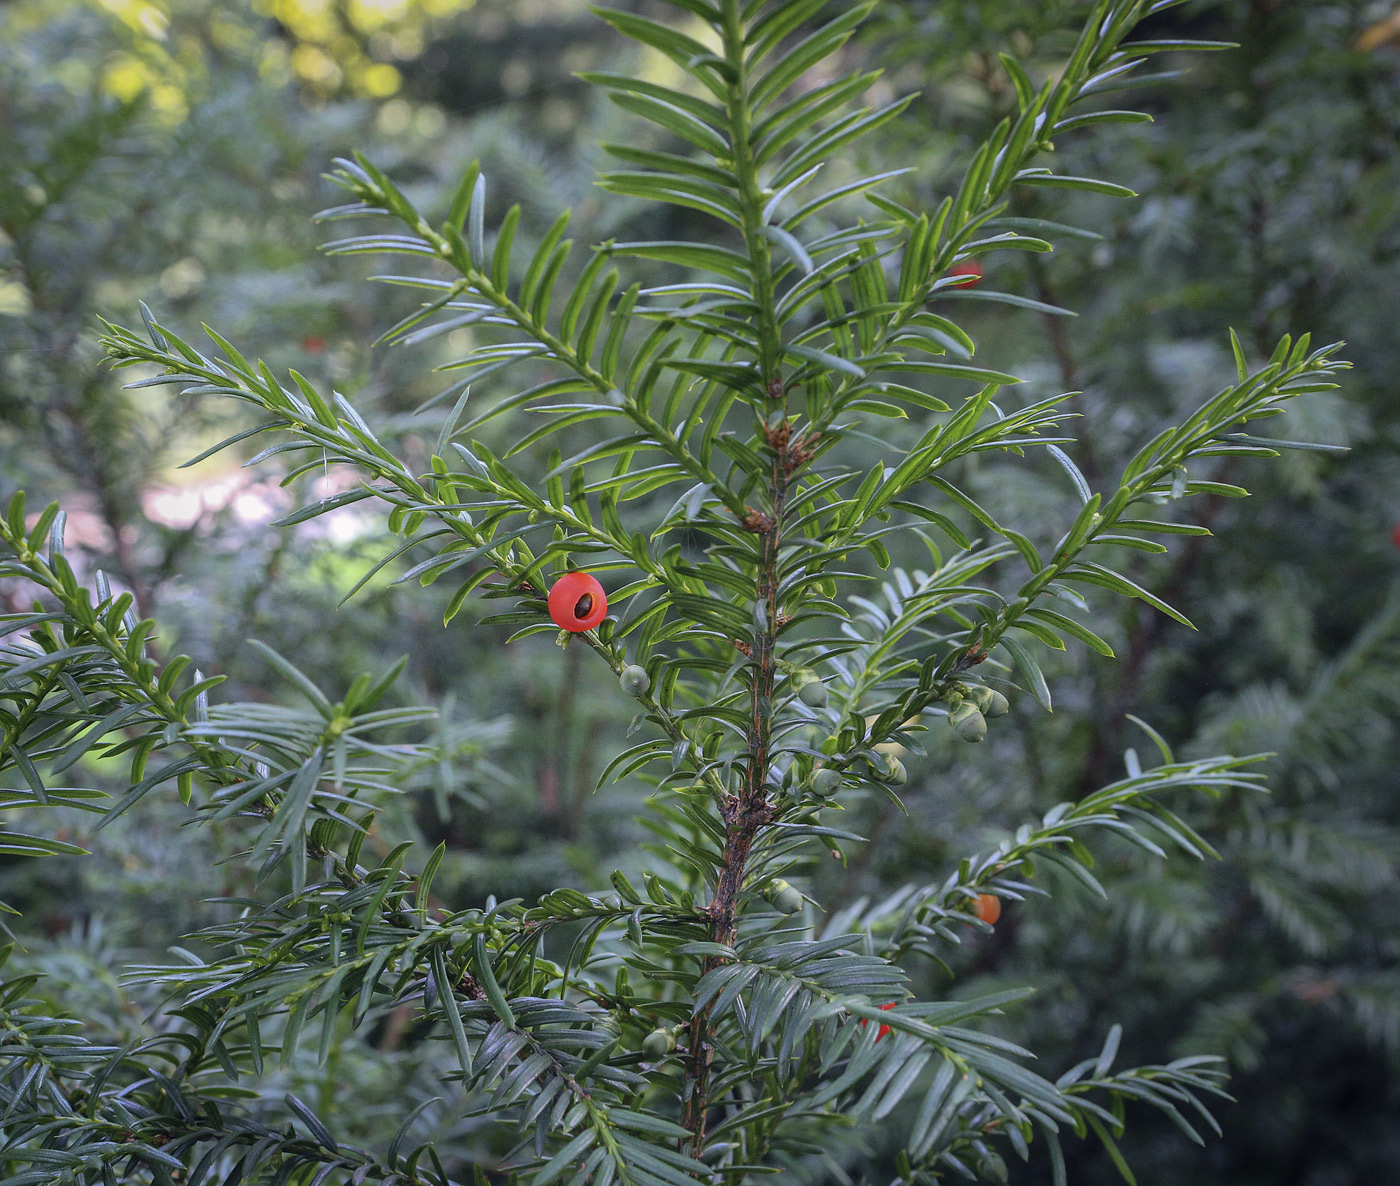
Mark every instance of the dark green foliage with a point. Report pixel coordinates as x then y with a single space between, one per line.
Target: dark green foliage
722 423
1247 220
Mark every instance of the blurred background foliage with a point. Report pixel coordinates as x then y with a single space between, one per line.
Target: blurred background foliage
172 152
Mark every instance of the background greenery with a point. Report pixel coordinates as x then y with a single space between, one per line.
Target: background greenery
173 153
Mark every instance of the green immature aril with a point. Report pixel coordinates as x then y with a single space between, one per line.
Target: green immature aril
826 782
659 1043
634 680
894 771
783 897
989 702
993 1167
968 722
810 690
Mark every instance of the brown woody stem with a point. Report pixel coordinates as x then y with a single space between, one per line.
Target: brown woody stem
746 812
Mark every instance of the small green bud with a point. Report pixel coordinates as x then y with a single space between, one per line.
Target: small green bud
894 771
809 687
980 696
826 782
967 722
659 1043
993 1168
989 702
783 897
634 680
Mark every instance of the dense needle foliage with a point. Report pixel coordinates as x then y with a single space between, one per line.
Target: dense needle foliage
712 396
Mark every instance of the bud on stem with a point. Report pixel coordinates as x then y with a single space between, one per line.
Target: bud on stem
989 702
782 897
634 680
809 687
660 1042
968 722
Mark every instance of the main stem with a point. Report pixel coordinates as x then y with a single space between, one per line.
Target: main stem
746 812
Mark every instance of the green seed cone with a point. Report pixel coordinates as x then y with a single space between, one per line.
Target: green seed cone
980 696
997 705
993 1168
634 680
826 782
967 722
894 771
783 897
659 1043
808 686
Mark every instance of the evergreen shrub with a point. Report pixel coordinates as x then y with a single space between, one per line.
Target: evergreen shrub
724 421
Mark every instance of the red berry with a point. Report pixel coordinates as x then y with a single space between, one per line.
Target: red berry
314 344
988 908
577 602
884 1029
969 268
1395 536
